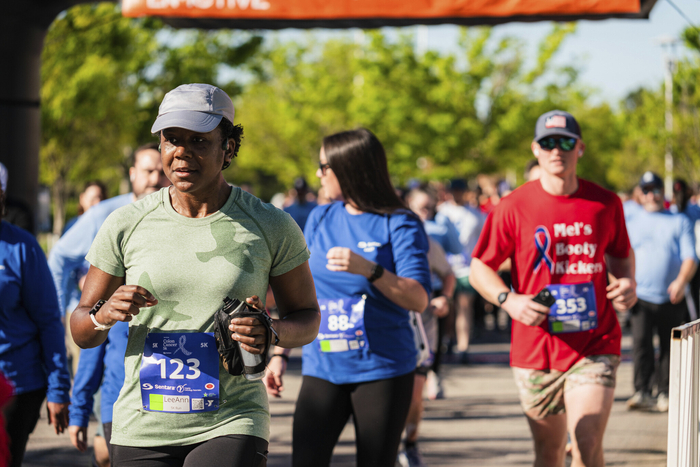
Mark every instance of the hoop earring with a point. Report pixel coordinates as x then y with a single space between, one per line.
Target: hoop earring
227 164
159 148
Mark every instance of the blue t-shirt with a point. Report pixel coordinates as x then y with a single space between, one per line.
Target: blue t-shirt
693 213
630 208
300 212
67 257
106 359
661 242
442 230
32 346
398 243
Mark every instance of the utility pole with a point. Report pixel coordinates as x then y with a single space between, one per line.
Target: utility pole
668 45
421 40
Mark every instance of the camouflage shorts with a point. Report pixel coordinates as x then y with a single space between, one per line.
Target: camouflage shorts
542 391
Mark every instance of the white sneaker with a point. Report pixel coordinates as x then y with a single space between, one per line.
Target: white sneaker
401 459
662 402
434 387
413 457
640 401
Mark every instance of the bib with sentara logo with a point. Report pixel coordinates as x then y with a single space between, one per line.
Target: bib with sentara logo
575 308
342 326
180 372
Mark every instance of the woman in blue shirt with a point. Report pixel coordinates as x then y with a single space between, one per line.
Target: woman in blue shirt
369 263
682 195
32 347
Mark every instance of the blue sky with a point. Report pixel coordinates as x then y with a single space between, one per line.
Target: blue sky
617 56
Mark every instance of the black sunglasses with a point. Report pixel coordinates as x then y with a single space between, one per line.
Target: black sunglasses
656 191
564 143
323 167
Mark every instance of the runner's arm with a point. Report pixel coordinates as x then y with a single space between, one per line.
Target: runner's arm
622 290
405 292
440 266
88 378
43 310
295 295
122 302
676 290
520 307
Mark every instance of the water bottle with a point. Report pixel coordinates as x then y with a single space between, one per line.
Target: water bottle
251 361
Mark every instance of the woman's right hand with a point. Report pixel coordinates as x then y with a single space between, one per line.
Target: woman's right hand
273 376
124 304
78 436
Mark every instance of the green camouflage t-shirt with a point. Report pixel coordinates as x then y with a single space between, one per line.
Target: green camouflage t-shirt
190 265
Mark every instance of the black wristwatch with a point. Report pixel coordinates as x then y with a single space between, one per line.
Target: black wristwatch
502 297
377 271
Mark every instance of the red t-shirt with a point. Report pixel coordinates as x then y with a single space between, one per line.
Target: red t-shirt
557 240
6 392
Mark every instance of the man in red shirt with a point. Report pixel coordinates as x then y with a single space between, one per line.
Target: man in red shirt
565 234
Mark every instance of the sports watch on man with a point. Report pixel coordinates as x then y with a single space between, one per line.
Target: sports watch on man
502 297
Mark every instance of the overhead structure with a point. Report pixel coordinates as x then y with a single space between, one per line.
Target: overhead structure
279 14
25 22
23 26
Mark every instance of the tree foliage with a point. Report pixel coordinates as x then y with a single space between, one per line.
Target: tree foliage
642 116
103 77
438 116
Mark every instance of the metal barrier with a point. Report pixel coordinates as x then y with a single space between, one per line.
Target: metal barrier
684 396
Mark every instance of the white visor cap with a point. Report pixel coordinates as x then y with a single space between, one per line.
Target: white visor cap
195 107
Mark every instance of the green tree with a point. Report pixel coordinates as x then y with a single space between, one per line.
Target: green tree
86 109
438 116
642 117
103 77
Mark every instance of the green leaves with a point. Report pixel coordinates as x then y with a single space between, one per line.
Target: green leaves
103 78
438 116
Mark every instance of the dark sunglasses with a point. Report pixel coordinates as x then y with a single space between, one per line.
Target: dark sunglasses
564 143
323 167
656 191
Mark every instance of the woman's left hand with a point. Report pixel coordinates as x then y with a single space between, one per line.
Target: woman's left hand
441 306
250 332
346 260
273 376
58 415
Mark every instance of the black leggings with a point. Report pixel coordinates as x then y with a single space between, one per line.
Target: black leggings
21 417
379 410
224 451
645 318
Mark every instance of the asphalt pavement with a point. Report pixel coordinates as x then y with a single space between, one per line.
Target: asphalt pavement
479 423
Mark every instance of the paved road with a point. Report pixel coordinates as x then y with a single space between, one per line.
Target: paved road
479 424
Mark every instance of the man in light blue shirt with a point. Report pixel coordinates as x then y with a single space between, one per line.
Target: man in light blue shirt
68 266
664 248
67 257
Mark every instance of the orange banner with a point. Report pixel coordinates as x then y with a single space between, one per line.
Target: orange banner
329 10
